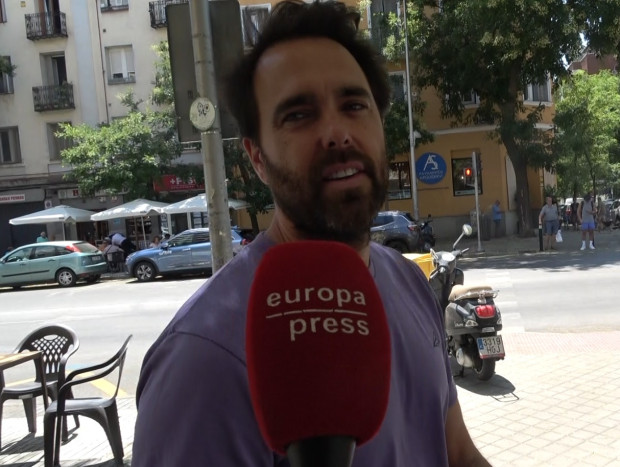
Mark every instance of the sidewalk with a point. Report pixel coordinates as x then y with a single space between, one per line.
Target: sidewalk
552 402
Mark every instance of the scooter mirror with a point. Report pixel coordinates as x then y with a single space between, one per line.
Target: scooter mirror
467 230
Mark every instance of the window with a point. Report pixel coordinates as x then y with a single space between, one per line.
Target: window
398 85
399 181
201 237
252 19
56 144
2 12
537 92
110 5
9 146
120 65
463 180
6 80
471 98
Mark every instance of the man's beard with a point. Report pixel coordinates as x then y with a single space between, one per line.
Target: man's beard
345 217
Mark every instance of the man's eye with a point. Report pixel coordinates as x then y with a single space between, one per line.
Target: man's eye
296 116
354 106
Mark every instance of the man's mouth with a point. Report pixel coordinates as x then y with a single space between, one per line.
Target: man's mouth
345 173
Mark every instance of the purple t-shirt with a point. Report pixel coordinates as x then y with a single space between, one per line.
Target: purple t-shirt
194 406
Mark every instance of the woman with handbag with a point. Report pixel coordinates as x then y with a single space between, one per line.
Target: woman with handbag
549 219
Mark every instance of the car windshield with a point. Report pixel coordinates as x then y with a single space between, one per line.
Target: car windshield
85 247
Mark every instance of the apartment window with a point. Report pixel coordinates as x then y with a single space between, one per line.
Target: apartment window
398 84
6 80
56 144
110 5
120 65
399 185
470 98
252 19
537 92
2 12
9 146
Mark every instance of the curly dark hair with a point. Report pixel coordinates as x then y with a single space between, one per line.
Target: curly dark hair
293 19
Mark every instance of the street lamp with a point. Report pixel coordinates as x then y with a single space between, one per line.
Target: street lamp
413 134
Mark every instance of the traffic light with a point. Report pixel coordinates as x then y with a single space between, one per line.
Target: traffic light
468 172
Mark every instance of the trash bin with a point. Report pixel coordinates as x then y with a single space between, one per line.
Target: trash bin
486 227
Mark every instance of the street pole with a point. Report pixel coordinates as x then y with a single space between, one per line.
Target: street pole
475 167
211 139
412 134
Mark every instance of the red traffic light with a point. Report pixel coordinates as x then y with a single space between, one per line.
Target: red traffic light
468 172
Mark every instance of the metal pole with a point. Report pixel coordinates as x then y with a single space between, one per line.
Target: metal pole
212 149
475 167
412 135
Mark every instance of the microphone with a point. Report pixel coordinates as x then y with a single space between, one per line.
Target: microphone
318 352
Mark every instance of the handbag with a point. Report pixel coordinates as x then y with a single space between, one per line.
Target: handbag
558 236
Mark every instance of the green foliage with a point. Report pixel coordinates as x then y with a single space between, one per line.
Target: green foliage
163 92
495 48
600 22
243 180
588 122
6 67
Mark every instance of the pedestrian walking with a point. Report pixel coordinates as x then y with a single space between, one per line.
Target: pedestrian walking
549 219
497 217
586 214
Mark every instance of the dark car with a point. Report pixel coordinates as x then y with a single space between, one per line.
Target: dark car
64 262
186 252
395 229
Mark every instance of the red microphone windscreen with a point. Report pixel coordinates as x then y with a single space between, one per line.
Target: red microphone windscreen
317 345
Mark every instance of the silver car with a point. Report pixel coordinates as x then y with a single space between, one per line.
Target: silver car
64 262
186 252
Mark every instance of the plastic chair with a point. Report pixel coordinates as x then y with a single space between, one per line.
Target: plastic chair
116 261
102 410
56 344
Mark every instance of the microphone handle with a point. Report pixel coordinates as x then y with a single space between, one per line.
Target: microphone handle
322 451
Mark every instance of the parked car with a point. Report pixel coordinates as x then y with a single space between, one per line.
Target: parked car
186 252
64 262
395 229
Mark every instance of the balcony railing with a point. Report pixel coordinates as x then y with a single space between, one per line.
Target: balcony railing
54 97
157 11
46 25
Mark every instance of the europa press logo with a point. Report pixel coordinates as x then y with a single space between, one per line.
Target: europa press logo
317 310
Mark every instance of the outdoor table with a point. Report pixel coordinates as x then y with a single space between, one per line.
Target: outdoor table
8 360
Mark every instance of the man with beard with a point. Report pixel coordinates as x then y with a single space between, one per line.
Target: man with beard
310 100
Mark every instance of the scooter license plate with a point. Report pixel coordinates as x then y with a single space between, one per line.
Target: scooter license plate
490 347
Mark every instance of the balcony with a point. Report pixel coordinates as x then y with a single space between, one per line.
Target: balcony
54 97
46 26
157 12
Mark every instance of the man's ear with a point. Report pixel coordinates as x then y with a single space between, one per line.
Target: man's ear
256 158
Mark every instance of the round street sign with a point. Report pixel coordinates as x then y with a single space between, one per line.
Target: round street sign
202 113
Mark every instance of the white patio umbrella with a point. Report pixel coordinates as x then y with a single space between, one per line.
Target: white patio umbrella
59 213
198 204
136 208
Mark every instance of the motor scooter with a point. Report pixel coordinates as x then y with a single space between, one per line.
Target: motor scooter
472 319
426 237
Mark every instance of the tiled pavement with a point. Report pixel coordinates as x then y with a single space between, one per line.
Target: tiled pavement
553 402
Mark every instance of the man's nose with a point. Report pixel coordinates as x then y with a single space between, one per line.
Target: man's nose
336 132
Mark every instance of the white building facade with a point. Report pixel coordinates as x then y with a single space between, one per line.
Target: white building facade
72 58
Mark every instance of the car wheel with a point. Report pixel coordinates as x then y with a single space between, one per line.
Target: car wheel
401 247
66 277
91 279
144 271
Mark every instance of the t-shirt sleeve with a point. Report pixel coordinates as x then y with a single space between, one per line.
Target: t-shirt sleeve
194 409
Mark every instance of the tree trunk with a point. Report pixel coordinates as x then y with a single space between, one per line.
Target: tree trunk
524 210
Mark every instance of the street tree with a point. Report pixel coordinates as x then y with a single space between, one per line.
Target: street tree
588 122
495 49
600 23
